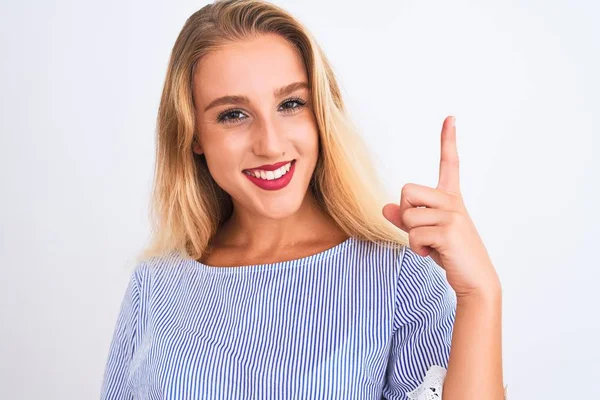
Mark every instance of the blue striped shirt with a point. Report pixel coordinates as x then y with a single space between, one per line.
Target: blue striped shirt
360 320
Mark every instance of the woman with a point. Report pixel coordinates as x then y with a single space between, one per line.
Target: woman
273 271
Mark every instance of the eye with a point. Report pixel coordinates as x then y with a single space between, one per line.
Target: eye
230 116
292 105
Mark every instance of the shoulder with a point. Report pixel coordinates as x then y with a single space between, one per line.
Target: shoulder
422 292
151 271
408 266
385 254
419 271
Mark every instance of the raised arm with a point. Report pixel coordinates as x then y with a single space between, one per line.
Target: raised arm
439 226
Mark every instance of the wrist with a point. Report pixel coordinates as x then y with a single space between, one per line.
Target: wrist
488 296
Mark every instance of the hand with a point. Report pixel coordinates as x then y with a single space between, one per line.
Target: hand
438 225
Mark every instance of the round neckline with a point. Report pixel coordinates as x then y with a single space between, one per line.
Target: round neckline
324 254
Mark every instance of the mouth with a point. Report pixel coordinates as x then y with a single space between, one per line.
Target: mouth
272 179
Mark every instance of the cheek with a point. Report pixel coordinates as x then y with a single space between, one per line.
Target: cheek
306 136
223 154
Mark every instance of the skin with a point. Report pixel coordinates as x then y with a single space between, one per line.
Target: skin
439 226
266 226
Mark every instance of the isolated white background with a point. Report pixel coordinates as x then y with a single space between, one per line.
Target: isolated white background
80 84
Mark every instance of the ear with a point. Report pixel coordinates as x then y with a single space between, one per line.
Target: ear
196 147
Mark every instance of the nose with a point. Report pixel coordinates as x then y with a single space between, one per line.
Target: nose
267 138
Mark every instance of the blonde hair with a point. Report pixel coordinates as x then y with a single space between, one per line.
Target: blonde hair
187 206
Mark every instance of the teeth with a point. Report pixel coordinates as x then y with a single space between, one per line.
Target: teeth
270 175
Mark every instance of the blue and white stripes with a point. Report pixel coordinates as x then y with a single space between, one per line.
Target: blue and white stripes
357 321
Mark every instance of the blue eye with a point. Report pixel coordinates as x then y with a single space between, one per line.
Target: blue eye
299 104
232 116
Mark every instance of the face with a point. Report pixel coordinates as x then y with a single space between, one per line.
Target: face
255 124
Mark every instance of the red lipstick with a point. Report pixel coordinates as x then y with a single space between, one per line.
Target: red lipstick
273 184
270 167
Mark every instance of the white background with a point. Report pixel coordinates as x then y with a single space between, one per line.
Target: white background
80 85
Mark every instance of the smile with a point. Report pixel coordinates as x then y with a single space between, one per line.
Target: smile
270 175
272 180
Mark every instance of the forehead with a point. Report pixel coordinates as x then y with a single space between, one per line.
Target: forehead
253 67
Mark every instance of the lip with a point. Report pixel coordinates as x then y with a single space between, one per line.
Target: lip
271 167
274 184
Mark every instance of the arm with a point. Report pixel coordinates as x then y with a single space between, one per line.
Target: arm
439 226
115 383
422 330
475 363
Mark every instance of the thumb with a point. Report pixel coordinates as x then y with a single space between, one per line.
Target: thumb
391 212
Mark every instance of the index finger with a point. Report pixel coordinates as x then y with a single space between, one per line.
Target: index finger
449 172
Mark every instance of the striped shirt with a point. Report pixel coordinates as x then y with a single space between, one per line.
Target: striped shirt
360 320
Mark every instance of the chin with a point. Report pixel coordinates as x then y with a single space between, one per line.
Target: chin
279 207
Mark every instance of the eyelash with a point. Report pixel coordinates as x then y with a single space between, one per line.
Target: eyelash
221 116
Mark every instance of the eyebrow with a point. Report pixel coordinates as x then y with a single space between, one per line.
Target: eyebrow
235 99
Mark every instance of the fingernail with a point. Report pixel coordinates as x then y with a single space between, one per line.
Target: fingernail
453 121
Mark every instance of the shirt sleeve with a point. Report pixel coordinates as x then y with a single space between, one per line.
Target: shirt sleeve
422 326
123 344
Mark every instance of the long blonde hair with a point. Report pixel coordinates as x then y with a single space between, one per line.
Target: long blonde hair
187 206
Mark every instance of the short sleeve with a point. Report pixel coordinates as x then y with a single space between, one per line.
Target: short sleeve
422 326
123 344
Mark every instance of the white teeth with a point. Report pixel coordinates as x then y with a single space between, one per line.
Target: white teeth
270 175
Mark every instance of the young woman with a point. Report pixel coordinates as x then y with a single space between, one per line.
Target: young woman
274 271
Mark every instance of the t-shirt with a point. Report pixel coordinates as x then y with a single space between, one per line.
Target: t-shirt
360 320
